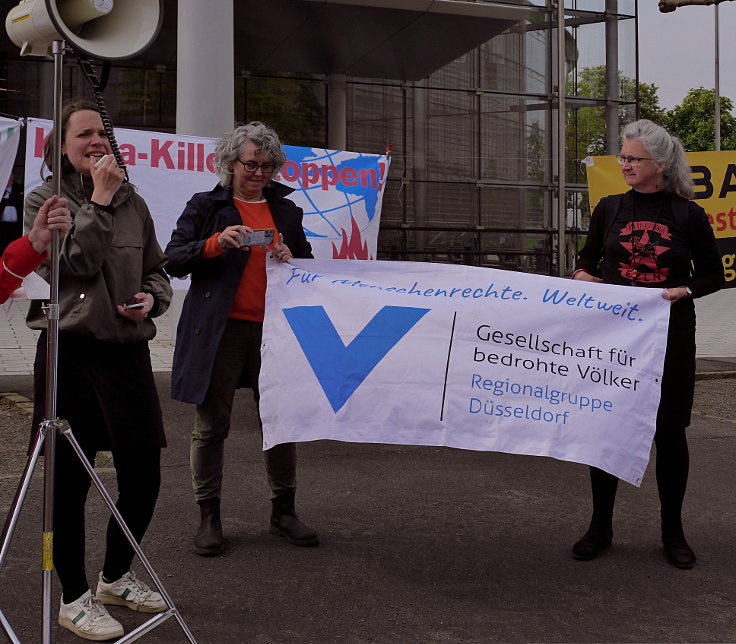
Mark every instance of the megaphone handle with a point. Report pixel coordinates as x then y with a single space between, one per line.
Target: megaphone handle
106 66
97 87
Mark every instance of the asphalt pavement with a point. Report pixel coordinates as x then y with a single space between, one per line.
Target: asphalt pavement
418 544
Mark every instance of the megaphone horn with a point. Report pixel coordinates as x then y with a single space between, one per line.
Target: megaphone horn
103 29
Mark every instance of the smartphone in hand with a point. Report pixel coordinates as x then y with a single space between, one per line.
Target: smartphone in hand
260 237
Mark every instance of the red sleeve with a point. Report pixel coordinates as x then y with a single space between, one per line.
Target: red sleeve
17 261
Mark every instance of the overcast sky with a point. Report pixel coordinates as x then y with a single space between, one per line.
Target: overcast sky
676 50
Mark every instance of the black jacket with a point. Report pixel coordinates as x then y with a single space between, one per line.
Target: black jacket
214 281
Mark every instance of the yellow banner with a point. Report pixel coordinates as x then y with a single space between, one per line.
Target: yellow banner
714 174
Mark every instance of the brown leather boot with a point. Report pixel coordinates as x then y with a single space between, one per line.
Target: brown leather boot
208 541
286 524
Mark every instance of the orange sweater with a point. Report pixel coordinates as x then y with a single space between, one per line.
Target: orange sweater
250 298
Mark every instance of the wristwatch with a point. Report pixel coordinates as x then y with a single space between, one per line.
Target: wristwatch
689 292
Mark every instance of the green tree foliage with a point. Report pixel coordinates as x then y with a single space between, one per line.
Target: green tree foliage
587 125
536 152
649 104
693 121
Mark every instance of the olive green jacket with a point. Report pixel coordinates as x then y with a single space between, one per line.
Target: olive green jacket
104 260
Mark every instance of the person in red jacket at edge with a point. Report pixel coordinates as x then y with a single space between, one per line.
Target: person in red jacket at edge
25 254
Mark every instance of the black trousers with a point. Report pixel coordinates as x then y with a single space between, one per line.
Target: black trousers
107 393
672 467
670 438
138 479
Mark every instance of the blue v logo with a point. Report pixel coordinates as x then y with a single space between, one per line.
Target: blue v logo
341 369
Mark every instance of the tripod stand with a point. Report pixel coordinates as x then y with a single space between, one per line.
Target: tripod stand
47 434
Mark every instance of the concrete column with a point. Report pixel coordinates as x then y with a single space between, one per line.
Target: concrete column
561 142
612 78
205 81
337 112
205 92
46 91
420 115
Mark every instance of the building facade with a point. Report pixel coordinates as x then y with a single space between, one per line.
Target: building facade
474 176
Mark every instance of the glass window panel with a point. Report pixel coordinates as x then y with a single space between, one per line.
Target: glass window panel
586 133
375 120
504 64
451 135
589 42
294 107
627 58
143 97
515 61
391 244
21 86
623 7
459 74
513 139
397 198
578 210
443 204
513 207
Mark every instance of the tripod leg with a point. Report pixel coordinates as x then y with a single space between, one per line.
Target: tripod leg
15 509
67 433
6 625
20 495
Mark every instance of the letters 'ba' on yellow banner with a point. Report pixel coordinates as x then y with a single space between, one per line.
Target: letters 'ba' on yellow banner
714 174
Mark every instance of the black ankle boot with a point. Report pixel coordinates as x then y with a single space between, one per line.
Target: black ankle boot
678 552
208 541
594 542
285 523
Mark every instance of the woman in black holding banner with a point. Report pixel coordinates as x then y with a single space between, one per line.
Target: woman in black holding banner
654 236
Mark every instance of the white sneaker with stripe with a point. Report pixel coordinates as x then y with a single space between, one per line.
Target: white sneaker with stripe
131 592
89 619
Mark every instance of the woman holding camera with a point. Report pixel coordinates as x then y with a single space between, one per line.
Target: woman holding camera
218 345
111 283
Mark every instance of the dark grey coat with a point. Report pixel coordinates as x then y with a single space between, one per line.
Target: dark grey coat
215 280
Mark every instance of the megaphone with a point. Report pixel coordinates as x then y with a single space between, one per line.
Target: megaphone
103 29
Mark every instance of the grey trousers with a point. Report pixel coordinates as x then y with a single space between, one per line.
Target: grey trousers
238 361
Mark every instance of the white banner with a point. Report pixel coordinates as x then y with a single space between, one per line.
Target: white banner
430 354
340 192
9 139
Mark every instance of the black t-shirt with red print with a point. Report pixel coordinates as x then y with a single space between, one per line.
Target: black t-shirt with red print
645 246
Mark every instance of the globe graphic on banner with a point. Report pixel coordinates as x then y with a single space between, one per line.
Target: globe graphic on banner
340 194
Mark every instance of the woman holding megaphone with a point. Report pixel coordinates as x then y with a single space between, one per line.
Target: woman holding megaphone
111 283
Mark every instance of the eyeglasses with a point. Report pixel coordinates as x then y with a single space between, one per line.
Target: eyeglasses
253 167
633 161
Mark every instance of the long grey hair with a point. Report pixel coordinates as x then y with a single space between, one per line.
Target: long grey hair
666 149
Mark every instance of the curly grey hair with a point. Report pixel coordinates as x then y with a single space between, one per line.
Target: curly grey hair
667 149
230 147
